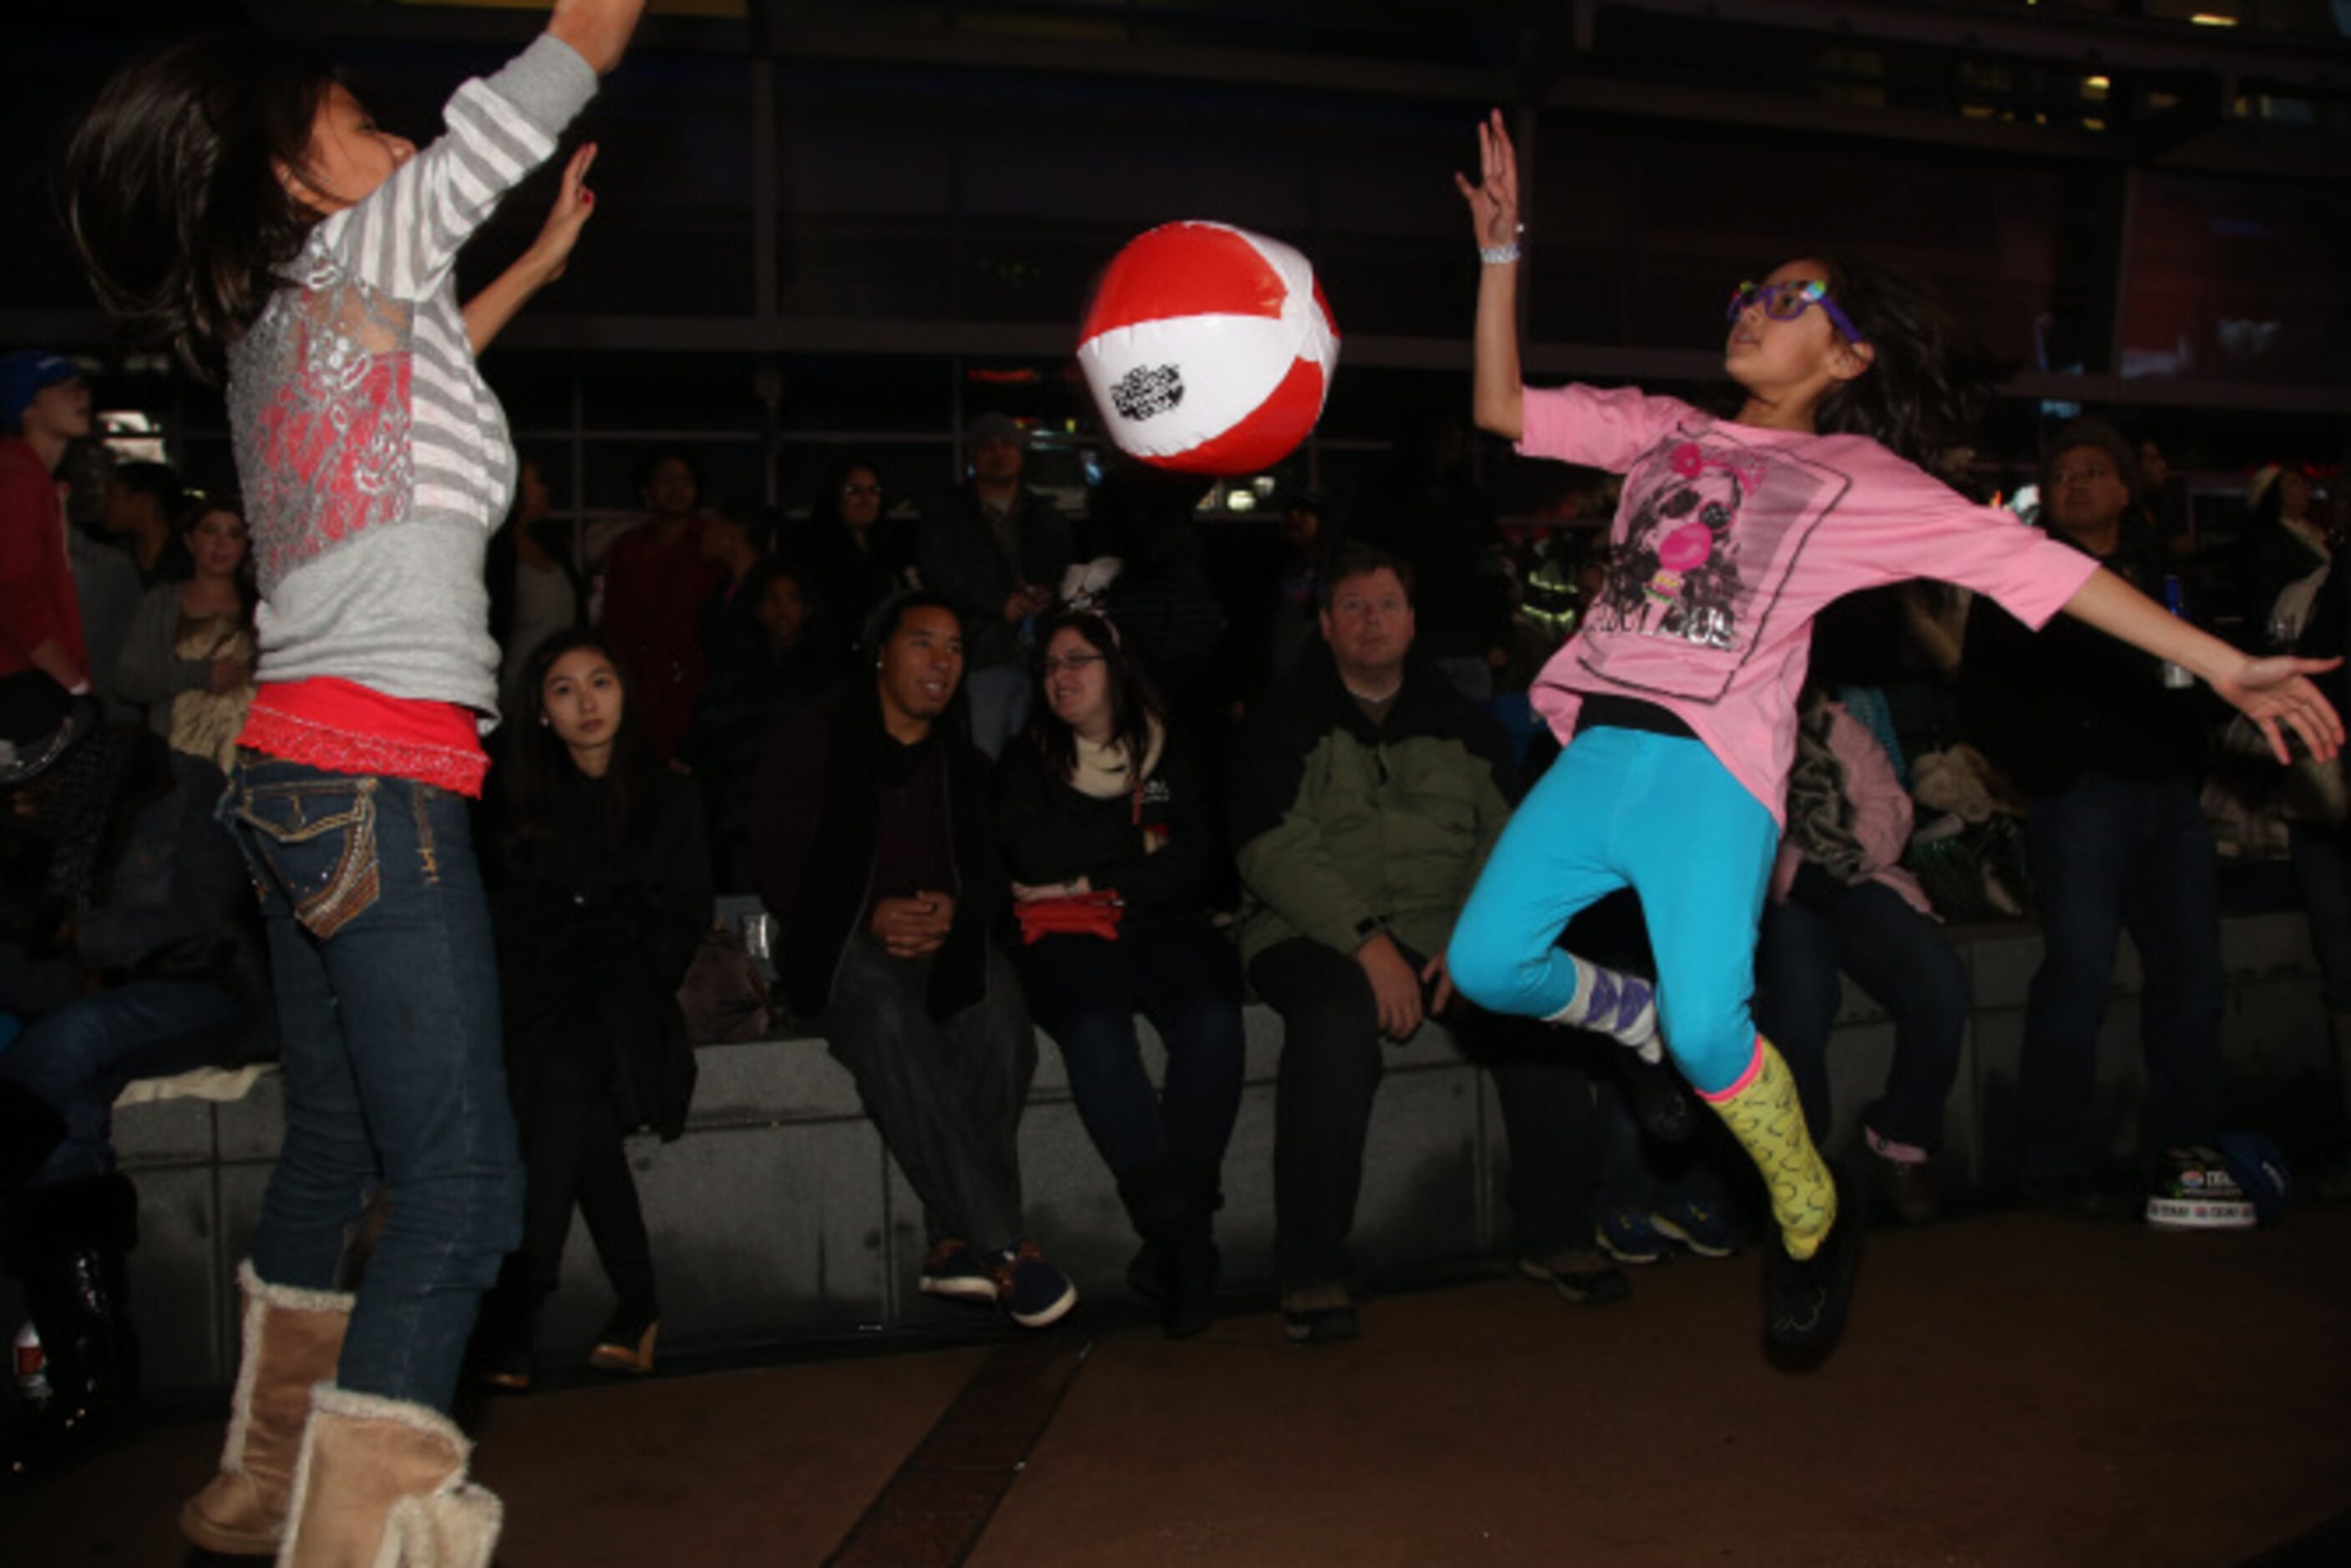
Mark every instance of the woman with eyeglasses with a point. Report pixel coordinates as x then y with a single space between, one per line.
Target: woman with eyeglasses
1104 818
852 554
1677 698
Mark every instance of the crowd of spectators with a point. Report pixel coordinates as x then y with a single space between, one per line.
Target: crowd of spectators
994 769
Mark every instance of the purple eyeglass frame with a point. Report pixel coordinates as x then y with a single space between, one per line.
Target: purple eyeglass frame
1811 291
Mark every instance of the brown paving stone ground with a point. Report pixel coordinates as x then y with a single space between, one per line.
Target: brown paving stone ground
2015 1391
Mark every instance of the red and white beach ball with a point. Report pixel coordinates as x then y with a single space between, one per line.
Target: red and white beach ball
1209 349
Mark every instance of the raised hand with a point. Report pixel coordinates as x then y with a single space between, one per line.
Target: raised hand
1494 200
487 313
574 205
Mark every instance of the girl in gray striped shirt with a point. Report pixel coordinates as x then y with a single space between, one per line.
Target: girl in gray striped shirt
233 199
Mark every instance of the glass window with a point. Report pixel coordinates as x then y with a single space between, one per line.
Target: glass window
2232 281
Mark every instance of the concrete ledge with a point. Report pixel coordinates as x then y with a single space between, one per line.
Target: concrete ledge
780 1216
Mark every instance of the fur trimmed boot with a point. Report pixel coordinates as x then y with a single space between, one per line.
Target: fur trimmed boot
382 1484
292 1341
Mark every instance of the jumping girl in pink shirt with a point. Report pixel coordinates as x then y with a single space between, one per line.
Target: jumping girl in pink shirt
1676 701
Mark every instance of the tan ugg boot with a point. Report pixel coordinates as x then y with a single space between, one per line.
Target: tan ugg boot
382 1484
292 1338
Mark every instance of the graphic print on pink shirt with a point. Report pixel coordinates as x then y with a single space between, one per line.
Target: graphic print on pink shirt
1711 531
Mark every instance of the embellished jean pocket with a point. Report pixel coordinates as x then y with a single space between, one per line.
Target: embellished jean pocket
317 838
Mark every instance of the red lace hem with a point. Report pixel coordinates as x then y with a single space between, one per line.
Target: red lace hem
347 728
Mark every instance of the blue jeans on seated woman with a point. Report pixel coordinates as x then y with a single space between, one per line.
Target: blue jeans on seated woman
78 1058
1180 972
388 1014
1901 958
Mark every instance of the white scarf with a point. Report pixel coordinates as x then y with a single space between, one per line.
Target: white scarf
1101 768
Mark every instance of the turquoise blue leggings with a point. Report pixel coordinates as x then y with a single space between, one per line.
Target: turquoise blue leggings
1660 813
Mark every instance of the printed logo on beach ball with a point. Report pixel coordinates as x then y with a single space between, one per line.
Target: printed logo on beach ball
1208 349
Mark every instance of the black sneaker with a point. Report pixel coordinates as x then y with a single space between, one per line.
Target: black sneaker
1035 1293
1627 1234
1805 1302
956 1271
1702 1228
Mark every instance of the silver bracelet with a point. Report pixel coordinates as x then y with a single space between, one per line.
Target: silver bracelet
1498 256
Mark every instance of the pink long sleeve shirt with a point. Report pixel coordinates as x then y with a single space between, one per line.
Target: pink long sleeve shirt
1731 538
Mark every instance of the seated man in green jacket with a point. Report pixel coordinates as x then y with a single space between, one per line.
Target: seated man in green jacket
1365 793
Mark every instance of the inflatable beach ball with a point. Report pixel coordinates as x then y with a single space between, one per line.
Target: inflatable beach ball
1208 348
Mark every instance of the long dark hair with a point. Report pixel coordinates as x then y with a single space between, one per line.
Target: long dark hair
537 780
1134 704
201 505
1929 379
824 510
171 188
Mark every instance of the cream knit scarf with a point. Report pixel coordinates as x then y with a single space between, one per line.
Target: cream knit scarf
1102 769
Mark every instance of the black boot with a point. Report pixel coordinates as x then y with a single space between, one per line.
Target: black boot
67 1243
506 1336
1172 1203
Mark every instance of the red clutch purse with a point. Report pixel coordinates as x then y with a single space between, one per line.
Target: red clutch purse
1093 914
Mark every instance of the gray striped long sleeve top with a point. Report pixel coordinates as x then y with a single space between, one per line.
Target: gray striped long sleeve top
374 460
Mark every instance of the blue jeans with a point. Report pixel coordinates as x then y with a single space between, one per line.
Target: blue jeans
2111 855
77 1059
387 1008
1187 978
1900 959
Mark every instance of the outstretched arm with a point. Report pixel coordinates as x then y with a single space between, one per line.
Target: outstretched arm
1499 396
2275 693
487 313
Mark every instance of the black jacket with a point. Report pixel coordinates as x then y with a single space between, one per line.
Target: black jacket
815 828
2049 707
595 933
1053 832
957 557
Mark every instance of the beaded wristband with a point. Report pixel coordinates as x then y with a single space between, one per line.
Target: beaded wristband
1498 256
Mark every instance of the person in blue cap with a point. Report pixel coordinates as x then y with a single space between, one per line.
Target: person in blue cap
44 407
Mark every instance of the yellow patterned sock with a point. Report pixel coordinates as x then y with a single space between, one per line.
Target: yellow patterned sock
1764 1114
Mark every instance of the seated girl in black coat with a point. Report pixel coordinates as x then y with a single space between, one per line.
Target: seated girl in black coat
1105 829
599 890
